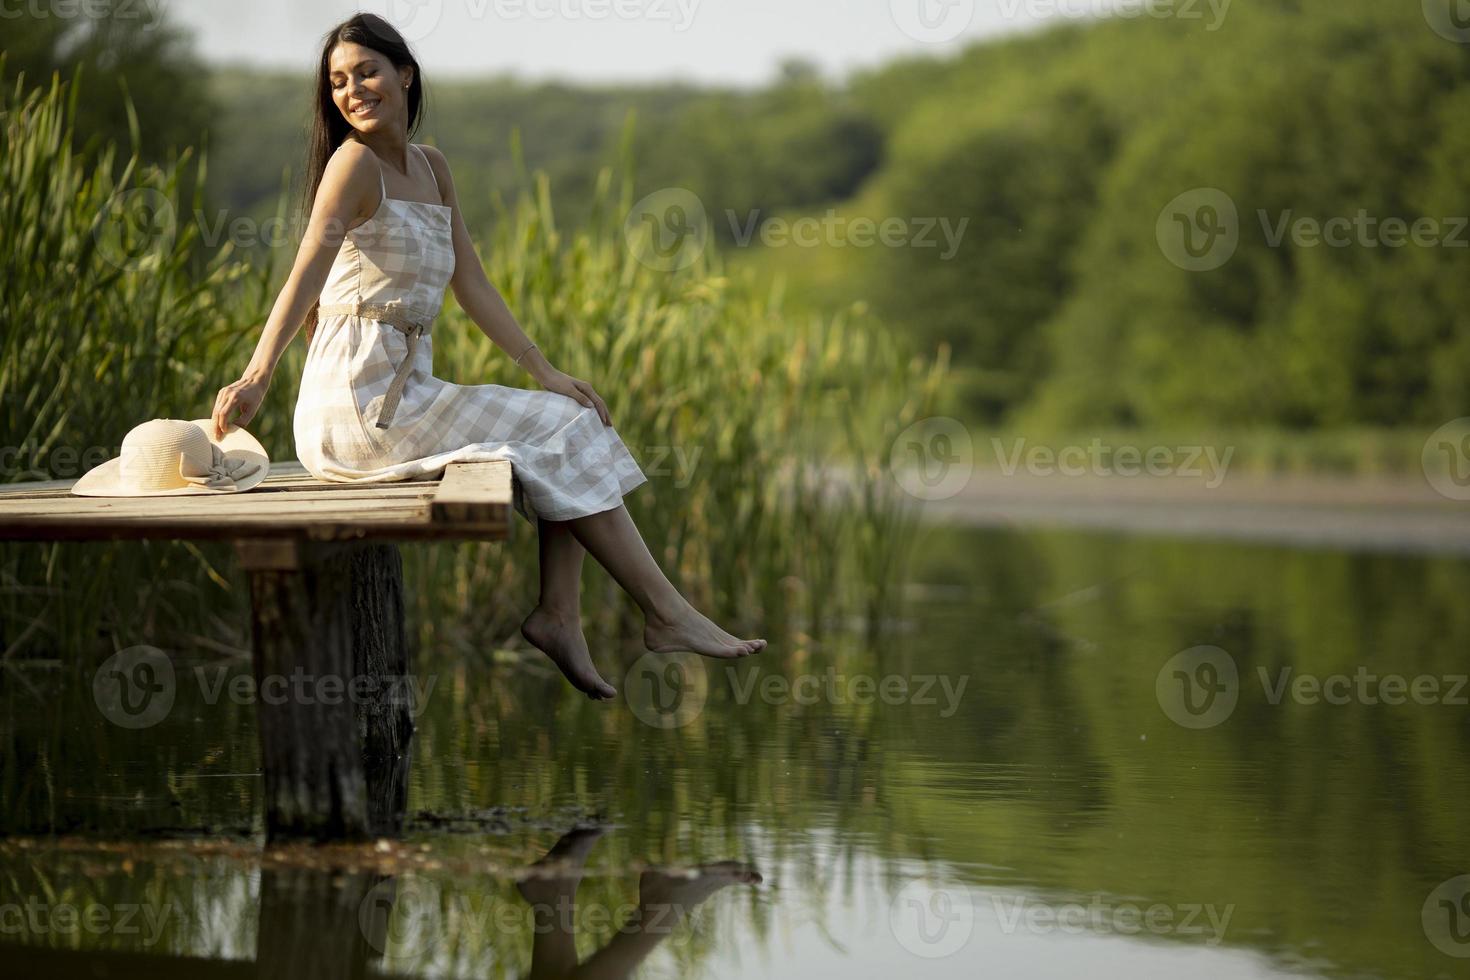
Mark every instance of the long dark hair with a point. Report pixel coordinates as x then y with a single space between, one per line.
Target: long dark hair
329 128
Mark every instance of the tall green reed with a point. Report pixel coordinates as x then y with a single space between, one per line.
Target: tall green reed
113 312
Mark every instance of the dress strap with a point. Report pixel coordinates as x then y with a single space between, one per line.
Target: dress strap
437 188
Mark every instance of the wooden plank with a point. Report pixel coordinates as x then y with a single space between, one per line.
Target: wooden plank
268 486
269 554
206 530
288 503
475 493
250 503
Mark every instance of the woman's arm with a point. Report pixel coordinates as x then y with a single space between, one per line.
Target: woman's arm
348 188
478 297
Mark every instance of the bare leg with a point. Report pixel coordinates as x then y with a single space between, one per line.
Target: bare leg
663 902
555 626
551 891
670 622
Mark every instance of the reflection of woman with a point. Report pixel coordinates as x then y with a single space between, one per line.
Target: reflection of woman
370 408
664 900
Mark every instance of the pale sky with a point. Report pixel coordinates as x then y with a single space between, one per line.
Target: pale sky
733 42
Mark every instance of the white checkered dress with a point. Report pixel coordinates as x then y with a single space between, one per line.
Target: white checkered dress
566 463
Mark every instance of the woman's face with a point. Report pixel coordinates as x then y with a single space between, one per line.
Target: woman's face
369 92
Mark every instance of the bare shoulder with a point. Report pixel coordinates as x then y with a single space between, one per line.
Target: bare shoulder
353 171
352 163
351 155
349 187
440 165
436 158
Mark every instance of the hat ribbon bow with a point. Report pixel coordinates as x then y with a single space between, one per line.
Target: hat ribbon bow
222 472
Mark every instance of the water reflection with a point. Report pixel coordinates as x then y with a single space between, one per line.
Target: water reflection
665 900
1004 784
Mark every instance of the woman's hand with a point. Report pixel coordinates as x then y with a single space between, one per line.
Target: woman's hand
237 403
564 384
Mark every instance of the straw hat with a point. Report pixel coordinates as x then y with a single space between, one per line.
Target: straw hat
173 457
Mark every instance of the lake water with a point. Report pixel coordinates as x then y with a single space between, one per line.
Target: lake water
1065 753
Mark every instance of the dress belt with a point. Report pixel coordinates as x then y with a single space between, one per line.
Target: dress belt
411 324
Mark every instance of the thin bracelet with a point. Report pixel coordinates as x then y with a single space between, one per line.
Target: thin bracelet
523 354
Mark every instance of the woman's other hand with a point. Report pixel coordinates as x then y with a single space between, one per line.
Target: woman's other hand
237 403
564 384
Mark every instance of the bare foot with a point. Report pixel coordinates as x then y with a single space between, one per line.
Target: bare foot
681 893
561 639
693 631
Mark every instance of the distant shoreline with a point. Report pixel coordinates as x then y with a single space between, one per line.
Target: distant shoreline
1391 514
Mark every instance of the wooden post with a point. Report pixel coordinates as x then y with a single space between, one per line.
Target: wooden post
325 617
313 924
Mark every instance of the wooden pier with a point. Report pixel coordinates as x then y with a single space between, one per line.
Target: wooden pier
326 589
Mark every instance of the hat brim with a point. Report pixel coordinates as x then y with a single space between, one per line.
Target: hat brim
106 480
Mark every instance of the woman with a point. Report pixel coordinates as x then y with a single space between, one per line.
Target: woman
383 238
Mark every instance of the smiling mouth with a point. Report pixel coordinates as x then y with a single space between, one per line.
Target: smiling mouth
364 109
